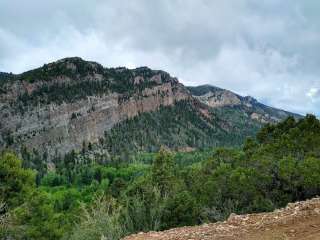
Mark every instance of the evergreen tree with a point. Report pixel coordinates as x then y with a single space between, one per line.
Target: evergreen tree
15 182
162 173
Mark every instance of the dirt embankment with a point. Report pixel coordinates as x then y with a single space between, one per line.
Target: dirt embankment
297 221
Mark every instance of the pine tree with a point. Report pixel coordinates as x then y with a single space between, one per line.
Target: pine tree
163 172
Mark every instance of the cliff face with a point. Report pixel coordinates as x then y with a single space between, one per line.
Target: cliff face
62 105
221 98
53 127
216 97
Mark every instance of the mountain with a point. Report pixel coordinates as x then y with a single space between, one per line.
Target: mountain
218 98
72 104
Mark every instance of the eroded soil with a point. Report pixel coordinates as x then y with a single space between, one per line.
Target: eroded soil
297 221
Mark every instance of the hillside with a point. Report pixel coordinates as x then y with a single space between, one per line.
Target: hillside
72 103
84 198
300 220
222 100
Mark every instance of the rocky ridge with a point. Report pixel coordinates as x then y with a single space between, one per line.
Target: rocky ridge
70 123
221 98
66 104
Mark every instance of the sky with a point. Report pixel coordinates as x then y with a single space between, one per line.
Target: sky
268 49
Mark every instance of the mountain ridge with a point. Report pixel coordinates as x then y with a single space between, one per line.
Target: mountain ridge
218 97
65 105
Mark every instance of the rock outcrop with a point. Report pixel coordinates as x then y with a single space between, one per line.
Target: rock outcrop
220 98
57 128
71 102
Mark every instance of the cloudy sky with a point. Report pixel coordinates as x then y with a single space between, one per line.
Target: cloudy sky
268 49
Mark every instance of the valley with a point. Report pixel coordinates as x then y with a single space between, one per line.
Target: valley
89 152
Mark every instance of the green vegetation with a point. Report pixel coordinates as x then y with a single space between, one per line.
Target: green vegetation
64 92
245 107
90 199
203 89
5 78
75 68
72 79
177 127
14 180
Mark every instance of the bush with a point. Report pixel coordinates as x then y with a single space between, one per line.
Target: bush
99 221
15 181
52 179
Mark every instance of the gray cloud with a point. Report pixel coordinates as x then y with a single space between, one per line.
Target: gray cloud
267 49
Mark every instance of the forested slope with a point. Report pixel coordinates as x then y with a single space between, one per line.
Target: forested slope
87 200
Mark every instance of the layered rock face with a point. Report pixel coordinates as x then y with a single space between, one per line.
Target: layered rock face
70 103
215 97
221 98
59 127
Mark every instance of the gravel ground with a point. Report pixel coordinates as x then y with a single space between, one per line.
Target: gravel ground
297 221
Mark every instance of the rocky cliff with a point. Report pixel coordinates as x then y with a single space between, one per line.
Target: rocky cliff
66 104
34 112
220 98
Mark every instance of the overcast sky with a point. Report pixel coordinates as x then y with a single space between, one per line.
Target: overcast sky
269 49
